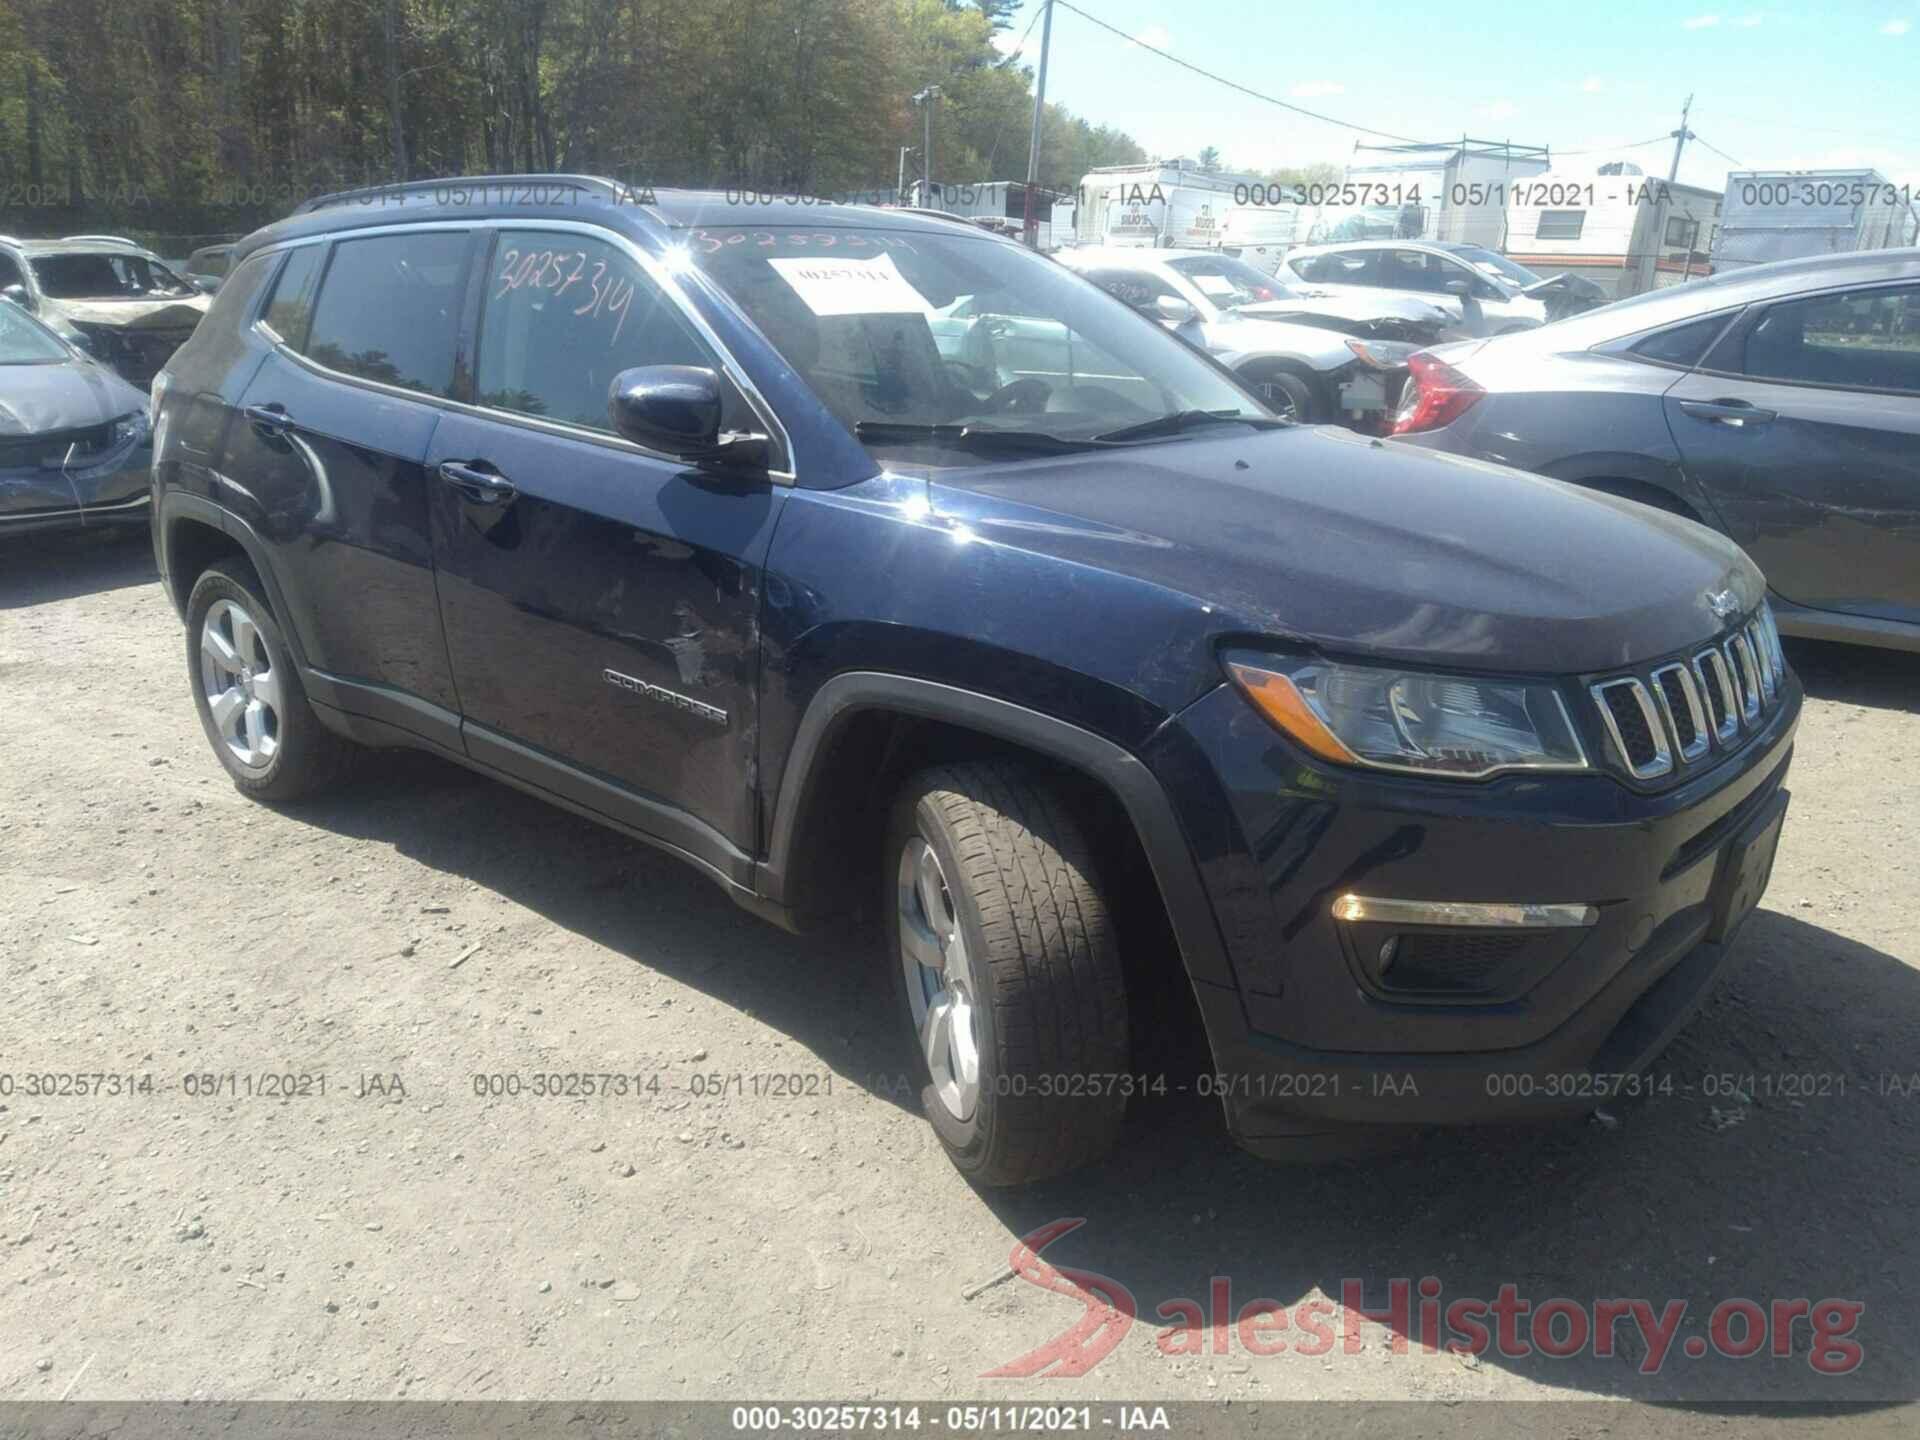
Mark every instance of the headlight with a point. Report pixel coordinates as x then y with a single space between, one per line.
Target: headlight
130 429
1393 719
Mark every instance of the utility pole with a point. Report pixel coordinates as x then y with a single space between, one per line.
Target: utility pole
1646 266
900 185
1032 226
927 97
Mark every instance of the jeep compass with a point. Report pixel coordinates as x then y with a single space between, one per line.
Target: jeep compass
1441 789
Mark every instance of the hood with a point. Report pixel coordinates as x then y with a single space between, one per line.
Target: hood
134 314
1362 547
1350 306
38 398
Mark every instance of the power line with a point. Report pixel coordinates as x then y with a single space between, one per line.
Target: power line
1723 154
1609 149
1232 84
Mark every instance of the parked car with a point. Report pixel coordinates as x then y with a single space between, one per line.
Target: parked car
73 435
1778 403
1464 279
1122 700
1312 356
116 299
208 266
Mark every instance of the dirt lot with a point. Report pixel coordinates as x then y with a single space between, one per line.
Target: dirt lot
401 1235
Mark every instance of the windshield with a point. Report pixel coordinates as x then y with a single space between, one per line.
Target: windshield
24 341
107 275
1498 266
895 331
1228 282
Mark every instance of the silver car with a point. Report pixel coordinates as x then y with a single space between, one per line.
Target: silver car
1483 291
1779 404
1312 355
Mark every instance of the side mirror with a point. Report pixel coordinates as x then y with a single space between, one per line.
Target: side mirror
17 293
676 409
1458 287
1172 309
80 341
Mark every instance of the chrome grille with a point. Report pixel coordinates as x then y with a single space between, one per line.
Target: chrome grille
1678 714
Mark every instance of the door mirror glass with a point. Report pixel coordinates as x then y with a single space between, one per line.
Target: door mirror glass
671 408
1459 287
1173 309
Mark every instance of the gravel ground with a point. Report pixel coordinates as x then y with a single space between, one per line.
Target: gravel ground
401 1235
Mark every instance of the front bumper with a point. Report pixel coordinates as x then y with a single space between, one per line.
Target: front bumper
1305 1042
115 492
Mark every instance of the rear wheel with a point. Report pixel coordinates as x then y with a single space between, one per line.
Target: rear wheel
248 693
1007 970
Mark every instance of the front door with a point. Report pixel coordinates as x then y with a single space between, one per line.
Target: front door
1806 434
601 602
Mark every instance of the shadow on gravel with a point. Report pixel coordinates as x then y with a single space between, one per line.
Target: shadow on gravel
825 991
1780 1160
1783 1164
38 569
1857 674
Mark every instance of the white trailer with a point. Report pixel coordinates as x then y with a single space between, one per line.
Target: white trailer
1783 214
1261 235
1612 224
1156 204
1455 191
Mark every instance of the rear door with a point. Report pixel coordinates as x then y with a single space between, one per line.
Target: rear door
601 601
325 461
1803 425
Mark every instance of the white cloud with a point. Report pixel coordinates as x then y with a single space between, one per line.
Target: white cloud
1593 85
1156 36
1499 110
1701 22
1896 27
1315 88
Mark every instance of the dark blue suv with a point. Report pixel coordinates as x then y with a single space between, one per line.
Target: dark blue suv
858 556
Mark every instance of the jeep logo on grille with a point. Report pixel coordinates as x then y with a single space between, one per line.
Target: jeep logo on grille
666 697
1723 603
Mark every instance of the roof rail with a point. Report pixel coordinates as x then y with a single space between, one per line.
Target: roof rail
401 189
106 239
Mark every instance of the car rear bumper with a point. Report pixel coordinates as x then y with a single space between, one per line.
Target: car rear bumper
1308 1045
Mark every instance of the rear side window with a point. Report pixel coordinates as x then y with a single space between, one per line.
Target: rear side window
564 313
1681 345
292 304
1342 267
389 310
1858 340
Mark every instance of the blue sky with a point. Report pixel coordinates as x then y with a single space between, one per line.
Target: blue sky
1774 85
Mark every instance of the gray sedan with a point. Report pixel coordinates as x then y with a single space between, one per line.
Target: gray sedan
74 447
1779 404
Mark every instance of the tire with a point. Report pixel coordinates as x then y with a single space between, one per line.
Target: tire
1289 397
266 734
1040 1002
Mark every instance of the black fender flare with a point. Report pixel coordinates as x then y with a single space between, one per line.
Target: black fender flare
1136 787
178 505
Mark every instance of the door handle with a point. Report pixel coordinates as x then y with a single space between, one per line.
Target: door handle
273 419
481 487
1737 413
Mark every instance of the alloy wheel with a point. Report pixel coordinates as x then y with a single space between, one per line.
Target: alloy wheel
241 685
939 979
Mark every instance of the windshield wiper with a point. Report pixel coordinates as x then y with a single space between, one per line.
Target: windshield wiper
968 437
1182 420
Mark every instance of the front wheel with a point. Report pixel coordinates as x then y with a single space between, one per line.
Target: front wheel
1289 397
1008 972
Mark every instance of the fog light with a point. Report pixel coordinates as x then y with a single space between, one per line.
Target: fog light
1387 951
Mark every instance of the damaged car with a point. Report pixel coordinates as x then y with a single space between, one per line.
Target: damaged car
1483 292
1314 355
114 299
74 446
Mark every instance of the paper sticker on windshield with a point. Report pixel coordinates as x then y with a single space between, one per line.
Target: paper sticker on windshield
850 287
1213 284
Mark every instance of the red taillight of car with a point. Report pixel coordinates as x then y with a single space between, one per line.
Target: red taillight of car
1436 394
